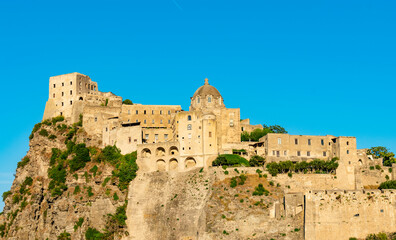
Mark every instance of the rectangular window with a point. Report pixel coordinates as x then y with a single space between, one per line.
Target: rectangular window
161 112
210 134
278 153
53 95
298 153
96 119
137 112
279 140
347 151
63 94
296 141
62 104
54 86
189 135
144 121
308 153
285 153
71 92
273 153
144 112
153 121
309 141
168 121
129 112
166 137
169 112
71 102
156 137
63 84
347 143
137 120
152 112
322 142
71 83
146 136
161 121
130 140
324 154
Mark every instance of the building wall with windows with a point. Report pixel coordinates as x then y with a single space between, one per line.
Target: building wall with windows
281 147
160 116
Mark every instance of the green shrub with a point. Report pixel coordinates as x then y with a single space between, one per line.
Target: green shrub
6 194
378 167
390 170
80 158
89 191
314 166
23 162
233 182
289 174
77 190
371 167
35 129
51 137
23 203
78 223
57 119
256 161
106 181
260 190
110 154
64 236
120 215
127 102
57 174
27 182
93 234
93 170
126 170
256 134
3 229
115 197
62 127
379 236
388 185
16 198
352 238
43 132
230 160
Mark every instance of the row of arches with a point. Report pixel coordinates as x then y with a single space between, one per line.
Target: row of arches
159 152
173 164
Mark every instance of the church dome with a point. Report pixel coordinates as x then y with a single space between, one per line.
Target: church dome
206 90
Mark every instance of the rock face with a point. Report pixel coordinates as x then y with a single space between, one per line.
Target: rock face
33 213
203 205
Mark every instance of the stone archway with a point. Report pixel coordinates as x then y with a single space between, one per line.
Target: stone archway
173 150
161 165
160 152
190 162
173 164
146 153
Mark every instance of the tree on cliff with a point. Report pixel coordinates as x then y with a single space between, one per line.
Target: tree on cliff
382 152
259 133
127 102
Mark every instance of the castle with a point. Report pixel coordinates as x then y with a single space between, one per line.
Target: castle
168 138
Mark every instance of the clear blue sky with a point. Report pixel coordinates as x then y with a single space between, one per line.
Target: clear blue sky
314 67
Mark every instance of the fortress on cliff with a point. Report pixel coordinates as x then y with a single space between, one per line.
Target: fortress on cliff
333 206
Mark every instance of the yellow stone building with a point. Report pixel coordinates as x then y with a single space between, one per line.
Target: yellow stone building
170 139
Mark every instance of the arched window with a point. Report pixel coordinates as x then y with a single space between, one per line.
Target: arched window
189 127
209 99
189 118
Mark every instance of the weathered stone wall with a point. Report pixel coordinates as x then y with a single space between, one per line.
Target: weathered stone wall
344 214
